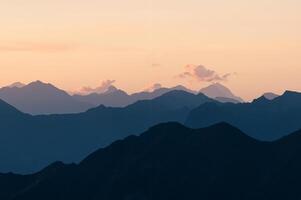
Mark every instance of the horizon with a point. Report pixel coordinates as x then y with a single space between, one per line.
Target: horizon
86 90
251 47
150 99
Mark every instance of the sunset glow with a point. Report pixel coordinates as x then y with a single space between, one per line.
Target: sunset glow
75 43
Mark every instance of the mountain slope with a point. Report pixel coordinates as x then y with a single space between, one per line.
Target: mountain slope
70 137
218 91
262 119
7 110
40 98
170 161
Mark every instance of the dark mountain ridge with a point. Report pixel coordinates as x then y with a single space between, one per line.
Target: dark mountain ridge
171 161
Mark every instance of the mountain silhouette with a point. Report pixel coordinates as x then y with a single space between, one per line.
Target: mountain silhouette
41 98
262 119
43 139
171 161
118 98
38 98
221 93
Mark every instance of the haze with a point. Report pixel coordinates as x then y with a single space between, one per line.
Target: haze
75 43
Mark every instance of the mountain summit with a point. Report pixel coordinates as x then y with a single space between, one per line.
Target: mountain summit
41 98
218 91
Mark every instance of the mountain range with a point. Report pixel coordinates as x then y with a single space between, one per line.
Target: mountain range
264 119
118 98
39 98
171 161
44 139
28 143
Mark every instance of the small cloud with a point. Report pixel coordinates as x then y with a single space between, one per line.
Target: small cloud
156 65
154 87
16 84
104 87
203 74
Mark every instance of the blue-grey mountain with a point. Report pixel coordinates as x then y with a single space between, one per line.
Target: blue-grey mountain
28 143
221 93
263 119
41 98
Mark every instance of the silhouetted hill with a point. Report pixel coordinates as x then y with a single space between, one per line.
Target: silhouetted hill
70 137
218 91
170 161
41 98
263 119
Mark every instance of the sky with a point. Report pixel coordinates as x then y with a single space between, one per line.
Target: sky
250 46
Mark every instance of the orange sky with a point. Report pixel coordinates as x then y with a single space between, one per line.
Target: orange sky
74 43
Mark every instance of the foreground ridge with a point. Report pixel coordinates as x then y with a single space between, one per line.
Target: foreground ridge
171 161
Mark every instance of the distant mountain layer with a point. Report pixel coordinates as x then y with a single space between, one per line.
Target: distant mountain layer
170 161
39 98
263 119
219 91
28 143
119 98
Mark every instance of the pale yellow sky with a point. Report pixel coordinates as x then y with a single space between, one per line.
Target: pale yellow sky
74 43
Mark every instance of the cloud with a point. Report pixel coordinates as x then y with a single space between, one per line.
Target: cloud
154 87
36 47
203 74
105 85
156 65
